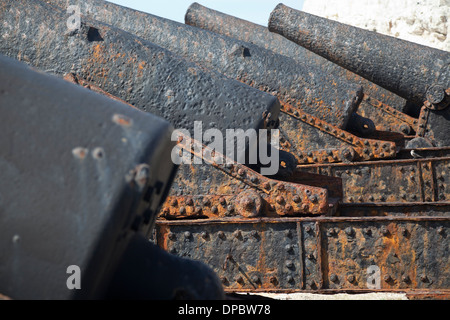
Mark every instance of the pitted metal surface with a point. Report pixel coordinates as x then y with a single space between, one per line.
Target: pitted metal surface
136 71
299 84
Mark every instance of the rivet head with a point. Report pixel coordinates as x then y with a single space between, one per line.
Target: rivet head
384 231
368 231
187 234
404 231
171 236
239 279
222 201
288 247
280 199
255 279
308 229
288 207
405 278
204 235
237 234
290 279
198 210
241 172
349 231
266 185
190 202
441 230
206 202
424 278
273 280
221 234
351 278
289 264
310 256
254 179
333 278
296 199
254 233
182 210
331 232
224 280
214 209
387 278
174 202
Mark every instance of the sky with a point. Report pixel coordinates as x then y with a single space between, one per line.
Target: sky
256 11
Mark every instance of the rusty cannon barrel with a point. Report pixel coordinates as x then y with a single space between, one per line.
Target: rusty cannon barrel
382 114
329 98
83 178
418 73
139 72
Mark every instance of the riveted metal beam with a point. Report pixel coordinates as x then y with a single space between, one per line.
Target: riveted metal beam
316 254
220 187
402 180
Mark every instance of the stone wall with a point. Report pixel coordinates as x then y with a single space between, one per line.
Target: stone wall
426 22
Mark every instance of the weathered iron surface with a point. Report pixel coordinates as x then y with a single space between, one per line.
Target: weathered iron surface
312 140
423 179
294 254
386 113
80 175
303 86
415 72
132 69
219 187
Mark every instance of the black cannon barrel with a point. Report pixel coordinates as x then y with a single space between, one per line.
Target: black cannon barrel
415 72
81 175
234 27
322 95
136 71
